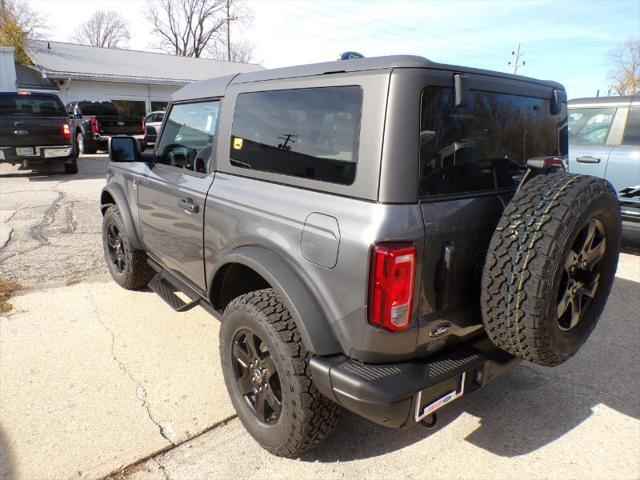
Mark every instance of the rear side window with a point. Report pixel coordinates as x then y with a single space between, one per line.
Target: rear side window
590 126
187 137
31 105
632 130
483 145
311 133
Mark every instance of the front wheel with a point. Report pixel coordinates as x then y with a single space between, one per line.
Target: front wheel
127 265
266 371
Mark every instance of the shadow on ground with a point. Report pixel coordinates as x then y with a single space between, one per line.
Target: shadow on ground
6 458
88 168
531 406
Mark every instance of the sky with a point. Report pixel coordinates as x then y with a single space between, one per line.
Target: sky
563 40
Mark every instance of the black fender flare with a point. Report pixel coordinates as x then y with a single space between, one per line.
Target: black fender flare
121 203
305 309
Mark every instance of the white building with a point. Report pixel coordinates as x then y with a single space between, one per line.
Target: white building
138 82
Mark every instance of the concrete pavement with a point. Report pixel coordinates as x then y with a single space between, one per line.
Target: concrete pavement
580 420
94 378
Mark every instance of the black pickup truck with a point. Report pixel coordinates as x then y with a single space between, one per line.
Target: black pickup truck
94 123
35 129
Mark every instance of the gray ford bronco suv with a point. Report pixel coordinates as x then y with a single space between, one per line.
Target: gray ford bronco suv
383 235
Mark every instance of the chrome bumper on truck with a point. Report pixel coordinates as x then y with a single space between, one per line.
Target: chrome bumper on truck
34 154
399 394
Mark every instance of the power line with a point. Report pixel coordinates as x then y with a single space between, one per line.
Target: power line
402 34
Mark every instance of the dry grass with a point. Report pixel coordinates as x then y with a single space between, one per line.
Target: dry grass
7 289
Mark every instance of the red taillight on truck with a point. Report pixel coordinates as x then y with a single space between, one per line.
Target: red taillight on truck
66 131
144 127
95 125
393 271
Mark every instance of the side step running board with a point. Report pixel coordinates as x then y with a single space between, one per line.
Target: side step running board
167 292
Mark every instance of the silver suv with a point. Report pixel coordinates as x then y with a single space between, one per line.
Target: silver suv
383 235
604 140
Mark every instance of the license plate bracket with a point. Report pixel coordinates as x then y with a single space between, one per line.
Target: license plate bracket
423 411
24 151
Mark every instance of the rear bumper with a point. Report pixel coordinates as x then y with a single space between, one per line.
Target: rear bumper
41 154
399 394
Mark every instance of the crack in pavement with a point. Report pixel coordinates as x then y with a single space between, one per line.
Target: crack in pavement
47 219
141 392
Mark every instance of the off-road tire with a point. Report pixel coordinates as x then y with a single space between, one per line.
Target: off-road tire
136 273
526 261
307 417
71 166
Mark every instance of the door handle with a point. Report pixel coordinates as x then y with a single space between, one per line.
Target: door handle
588 159
188 206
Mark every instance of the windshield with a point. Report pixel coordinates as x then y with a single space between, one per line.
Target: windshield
485 144
97 108
31 105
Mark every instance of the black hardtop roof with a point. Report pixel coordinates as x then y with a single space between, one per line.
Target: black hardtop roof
217 86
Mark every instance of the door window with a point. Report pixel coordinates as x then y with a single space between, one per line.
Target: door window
632 130
311 133
187 137
590 126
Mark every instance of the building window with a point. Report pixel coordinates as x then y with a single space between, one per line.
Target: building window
310 133
133 108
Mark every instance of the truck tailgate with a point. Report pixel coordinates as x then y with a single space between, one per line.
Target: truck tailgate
26 131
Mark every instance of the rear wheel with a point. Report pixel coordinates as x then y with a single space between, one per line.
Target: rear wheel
71 166
80 146
550 266
266 371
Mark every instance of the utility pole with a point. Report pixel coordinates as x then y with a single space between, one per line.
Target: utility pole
516 60
228 31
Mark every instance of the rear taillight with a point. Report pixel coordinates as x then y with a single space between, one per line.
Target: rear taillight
95 125
144 127
392 275
66 131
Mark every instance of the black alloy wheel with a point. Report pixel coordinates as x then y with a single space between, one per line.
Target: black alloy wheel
256 376
115 247
580 278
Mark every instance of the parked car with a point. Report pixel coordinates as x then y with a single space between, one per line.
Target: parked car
384 235
152 123
604 140
94 123
34 130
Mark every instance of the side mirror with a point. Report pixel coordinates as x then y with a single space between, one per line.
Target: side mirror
124 149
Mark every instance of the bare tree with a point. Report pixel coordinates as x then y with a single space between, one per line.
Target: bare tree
193 28
625 67
240 52
18 23
106 29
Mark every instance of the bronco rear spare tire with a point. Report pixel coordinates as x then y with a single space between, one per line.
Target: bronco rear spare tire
550 266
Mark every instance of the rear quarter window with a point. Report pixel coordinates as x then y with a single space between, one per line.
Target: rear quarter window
311 133
632 130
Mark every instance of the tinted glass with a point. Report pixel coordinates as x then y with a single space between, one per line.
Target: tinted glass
97 108
31 105
590 126
187 137
131 108
157 106
311 133
632 130
485 144
123 149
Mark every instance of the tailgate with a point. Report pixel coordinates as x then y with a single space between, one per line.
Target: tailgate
25 131
120 125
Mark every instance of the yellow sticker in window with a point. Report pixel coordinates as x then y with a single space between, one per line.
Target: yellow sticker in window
237 143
